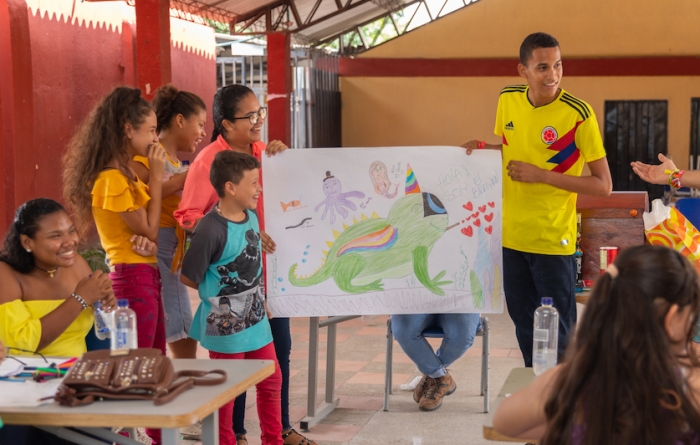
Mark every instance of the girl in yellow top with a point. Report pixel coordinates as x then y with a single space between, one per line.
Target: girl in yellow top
181 117
45 286
100 186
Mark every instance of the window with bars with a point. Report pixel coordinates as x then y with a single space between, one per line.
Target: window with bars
635 131
695 133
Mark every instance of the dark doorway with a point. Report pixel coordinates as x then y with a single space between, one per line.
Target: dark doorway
695 133
635 131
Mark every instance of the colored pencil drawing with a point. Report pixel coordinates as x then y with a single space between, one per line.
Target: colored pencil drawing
427 250
335 199
374 249
380 180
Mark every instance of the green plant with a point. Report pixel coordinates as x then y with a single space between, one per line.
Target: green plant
95 259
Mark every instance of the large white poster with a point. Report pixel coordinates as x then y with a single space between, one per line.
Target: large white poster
363 231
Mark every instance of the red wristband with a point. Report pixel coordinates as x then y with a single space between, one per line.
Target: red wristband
481 144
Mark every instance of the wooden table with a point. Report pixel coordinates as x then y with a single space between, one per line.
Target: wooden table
199 403
517 379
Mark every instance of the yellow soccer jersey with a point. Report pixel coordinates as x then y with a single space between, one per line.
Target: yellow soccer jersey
560 136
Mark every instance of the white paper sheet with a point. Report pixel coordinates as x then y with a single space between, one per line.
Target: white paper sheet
28 392
10 366
383 231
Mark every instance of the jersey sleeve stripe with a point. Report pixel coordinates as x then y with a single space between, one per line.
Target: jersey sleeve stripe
580 102
509 90
575 107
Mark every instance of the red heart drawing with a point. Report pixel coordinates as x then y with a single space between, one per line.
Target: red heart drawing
492 204
468 218
482 209
474 215
477 222
467 231
468 206
463 221
488 217
489 229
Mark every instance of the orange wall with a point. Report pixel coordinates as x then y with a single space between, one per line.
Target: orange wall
590 28
386 111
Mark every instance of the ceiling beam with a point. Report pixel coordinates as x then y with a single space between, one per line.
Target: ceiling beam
300 24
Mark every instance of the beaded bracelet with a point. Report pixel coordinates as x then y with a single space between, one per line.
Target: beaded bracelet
80 299
674 178
481 144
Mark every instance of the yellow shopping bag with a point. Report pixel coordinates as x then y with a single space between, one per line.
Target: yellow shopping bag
666 226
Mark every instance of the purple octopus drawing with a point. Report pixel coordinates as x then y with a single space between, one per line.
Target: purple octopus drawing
335 199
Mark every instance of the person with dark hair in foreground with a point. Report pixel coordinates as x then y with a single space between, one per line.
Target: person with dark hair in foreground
631 374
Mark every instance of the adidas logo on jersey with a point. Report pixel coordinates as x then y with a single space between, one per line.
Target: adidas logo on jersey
509 126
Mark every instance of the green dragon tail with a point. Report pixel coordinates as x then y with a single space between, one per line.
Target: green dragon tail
320 275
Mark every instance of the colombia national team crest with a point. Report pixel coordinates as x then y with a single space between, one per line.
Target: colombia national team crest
549 135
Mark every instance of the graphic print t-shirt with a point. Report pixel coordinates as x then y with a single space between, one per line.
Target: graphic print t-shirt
225 258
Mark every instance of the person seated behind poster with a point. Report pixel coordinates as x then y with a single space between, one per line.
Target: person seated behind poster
224 264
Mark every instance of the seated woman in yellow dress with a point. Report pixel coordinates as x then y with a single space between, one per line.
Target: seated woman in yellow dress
46 290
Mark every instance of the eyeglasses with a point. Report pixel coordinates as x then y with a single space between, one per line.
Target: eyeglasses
24 350
256 116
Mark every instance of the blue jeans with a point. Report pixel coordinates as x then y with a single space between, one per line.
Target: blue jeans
459 330
282 339
176 300
527 277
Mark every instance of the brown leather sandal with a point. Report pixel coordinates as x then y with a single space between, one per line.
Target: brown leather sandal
292 437
241 440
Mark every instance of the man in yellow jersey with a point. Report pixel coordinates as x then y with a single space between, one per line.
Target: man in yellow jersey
546 137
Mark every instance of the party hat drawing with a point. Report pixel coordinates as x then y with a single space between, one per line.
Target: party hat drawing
411 181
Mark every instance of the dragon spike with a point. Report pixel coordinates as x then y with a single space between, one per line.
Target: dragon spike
325 253
329 244
323 261
374 215
336 234
411 181
345 226
354 220
363 217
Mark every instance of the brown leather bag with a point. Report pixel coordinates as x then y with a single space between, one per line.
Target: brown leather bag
142 374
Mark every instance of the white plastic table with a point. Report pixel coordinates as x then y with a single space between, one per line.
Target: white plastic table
199 403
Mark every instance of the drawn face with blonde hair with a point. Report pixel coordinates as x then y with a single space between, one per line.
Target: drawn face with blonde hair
379 176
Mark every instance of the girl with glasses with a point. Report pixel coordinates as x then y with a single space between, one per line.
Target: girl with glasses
238 120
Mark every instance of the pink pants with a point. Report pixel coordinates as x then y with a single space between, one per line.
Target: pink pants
269 400
140 284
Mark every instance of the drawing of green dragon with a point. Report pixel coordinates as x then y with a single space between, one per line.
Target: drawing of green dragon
376 248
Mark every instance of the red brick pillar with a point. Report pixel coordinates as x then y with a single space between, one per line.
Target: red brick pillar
279 87
16 110
153 67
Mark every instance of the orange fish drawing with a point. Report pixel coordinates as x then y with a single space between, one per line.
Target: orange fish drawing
290 204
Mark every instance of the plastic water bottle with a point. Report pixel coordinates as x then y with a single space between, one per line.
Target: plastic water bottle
545 337
124 334
102 322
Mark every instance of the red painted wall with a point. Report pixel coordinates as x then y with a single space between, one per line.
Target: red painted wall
72 67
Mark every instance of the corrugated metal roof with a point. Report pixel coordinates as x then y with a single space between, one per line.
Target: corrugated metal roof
315 19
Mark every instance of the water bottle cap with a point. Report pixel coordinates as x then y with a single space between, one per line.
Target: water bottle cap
546 301
97 305
123 302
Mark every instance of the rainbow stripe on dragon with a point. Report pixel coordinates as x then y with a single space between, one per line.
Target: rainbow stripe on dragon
373 249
